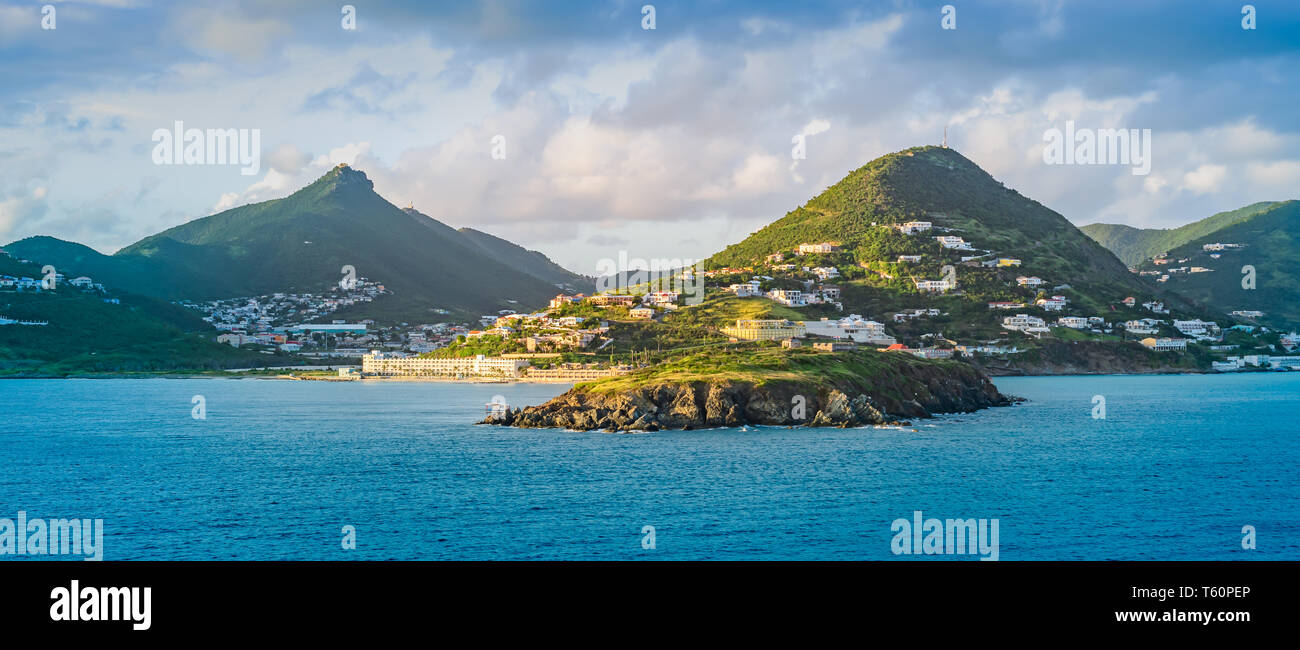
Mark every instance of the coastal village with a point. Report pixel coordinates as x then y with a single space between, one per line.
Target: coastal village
550 344
1045 309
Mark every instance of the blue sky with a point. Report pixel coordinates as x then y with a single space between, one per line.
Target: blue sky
670 142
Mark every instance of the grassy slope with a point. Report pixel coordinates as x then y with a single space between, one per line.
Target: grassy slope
760 364
722 310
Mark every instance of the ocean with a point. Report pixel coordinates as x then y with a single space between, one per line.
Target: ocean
1176 469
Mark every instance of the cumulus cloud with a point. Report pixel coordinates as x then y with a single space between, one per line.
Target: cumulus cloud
1205 179
287 159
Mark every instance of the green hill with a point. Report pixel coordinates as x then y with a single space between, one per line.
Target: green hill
87 334
300 244
941 186
1267 233
1135 245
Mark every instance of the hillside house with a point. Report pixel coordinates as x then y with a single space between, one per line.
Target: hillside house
934 286
953 243
824 247
1164 344
788 297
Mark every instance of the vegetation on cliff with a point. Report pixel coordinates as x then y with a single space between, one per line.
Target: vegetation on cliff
766 386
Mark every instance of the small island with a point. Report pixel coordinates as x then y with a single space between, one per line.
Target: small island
731 387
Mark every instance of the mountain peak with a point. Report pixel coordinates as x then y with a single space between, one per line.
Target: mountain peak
342 176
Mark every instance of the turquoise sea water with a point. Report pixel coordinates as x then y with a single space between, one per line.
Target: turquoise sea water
1178 466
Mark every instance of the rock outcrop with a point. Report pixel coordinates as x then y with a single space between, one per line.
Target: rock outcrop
917 393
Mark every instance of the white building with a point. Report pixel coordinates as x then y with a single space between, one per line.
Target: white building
1142 326
1197 328
788 297
659 298
934 286
1025 323
1072 322
914 227
1164 344
747 289
954 243
824 247
1029 281
852 327
383 363
1055 303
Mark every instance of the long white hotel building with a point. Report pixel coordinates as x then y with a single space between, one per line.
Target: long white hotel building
381 363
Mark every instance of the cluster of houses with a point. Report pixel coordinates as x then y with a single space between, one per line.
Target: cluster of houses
809 295
644 306
547 330
49 283
1256 361
846 334
1196 329
288 322
263 313
543 331
340 339
1215 250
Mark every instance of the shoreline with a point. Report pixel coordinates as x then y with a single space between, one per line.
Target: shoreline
485 380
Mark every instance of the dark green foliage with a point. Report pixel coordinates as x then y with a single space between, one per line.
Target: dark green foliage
1269 232
1136 245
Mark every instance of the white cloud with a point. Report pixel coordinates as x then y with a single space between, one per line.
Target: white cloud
1205 179
288 159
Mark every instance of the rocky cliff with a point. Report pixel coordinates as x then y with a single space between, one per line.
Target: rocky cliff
918 392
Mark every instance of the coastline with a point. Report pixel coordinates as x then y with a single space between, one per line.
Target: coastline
993 372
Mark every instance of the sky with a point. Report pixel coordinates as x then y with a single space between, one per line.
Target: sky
570 128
